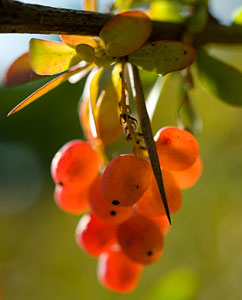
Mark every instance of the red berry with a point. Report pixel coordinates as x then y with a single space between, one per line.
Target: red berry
177 149
94 235
140 239
125 180
117 272
151 204
76 164
105 211
72 201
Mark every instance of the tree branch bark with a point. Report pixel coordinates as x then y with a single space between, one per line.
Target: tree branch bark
17 17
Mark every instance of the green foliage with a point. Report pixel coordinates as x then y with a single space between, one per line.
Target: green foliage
220 79
163 57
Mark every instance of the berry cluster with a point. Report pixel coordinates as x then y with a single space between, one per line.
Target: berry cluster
126 224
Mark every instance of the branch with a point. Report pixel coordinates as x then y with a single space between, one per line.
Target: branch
17 17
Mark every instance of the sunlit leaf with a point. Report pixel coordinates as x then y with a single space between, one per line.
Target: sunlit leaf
126 32
48 57
169 11
237 19
44 89
163 57
84 116
107 109
177 285
74 40
20 71
220 79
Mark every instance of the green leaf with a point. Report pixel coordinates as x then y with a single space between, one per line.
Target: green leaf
20 71
46 88
198 20
86 52
126 32
220 79
48 57
163 57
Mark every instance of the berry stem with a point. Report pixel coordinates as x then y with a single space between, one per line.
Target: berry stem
128 122
147 132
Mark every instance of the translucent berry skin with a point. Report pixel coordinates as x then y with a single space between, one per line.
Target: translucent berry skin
75 165
71 201
117 272
125 180
188 177
163 224
140 239
177 149
95 236
151 204
105 211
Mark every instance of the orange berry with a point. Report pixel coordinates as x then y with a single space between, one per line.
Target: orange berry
140 239
125 180
177 149
117 272
71 201
151 204
94 235
76 164
188 177
163 223
104 210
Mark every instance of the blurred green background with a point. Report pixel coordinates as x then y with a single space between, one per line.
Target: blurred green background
39 258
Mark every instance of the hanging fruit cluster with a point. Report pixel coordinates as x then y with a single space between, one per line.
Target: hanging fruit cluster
126 220
127 199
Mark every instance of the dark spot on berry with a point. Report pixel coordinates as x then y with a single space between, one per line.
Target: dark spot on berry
112 212
115 202
149 253
185 52
60 183
137 186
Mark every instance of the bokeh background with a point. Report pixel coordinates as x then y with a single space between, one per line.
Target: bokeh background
39 258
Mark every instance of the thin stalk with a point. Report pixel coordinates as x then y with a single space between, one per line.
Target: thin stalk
147 132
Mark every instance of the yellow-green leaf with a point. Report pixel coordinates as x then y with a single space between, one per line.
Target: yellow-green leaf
20 71
220 79
45 89
238 16
168 11
163 57
48 57
107 109
126 32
